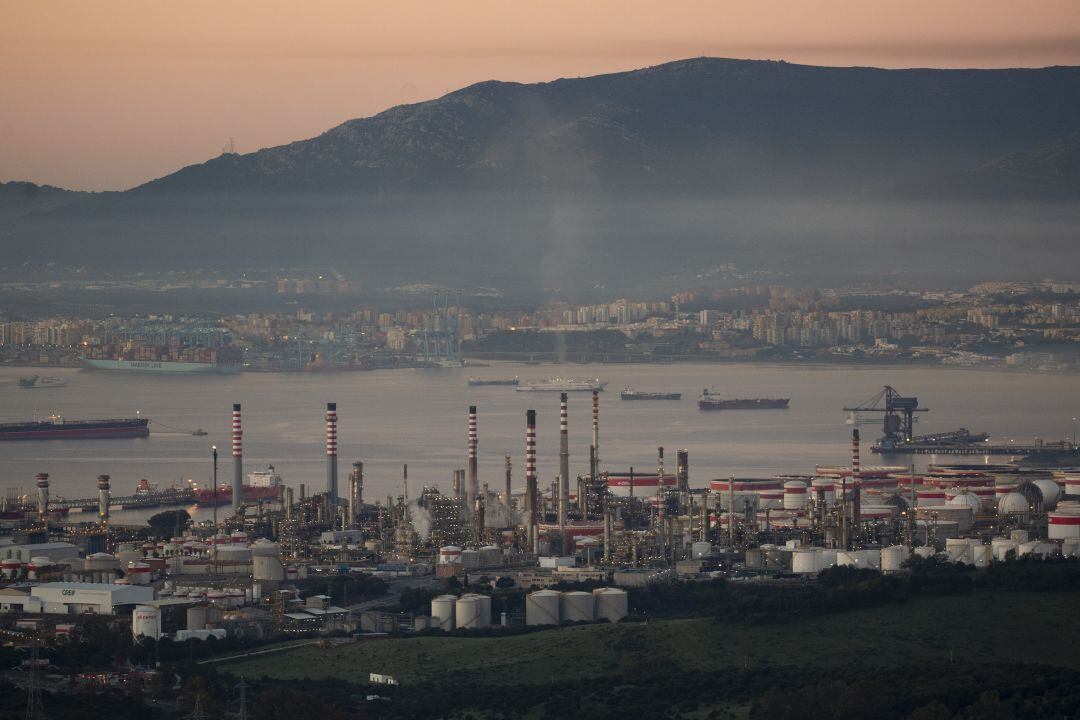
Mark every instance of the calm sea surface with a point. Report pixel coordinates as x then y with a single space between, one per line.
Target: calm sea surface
389 418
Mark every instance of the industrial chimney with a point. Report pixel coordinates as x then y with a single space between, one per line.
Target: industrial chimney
238 460
103 499
356 491
595 469
331 454
43 497
564 462
856 480
472 484
532 517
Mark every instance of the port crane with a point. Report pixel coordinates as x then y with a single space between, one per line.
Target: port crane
899 415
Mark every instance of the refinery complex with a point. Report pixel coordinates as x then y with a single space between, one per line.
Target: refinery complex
615 528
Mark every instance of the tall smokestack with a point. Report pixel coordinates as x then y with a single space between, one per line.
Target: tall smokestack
856 480
103 499
356 491
238 460
43 497
532 517
564 461
331 453
509 477
472 487
661 503
596 432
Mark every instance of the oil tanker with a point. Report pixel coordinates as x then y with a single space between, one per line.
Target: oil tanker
261 486
711 401
57 428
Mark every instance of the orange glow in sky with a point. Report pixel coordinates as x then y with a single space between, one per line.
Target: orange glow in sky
112 93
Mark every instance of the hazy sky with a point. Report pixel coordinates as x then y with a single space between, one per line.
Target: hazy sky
110 93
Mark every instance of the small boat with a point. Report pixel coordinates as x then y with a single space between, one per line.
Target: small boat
628 394
39 383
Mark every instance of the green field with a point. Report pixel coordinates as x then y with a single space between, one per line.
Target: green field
982 627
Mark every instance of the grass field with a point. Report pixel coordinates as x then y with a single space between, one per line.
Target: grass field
983 627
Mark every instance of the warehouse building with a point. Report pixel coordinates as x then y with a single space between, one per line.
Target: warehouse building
73 598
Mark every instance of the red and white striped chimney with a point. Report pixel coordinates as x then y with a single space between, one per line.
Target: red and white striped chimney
530 478
471 484
856 479
43 496
331 454
238 460
596 430
103 499
564 460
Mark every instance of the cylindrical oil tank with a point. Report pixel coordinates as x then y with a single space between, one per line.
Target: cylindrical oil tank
1070 547
1061 525
577 606
472 612
268 567
138 573
925 551
442 612
958 550
611 604
980 554
449 554
217 597
755 558
806 560
146 621
794 495
1001 547
1026 548
1020 536
542 607
1072 484
892 558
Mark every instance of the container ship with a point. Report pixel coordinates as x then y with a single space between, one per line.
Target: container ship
711 401
561 385
130 357
628 394
493 381
261 486
57 428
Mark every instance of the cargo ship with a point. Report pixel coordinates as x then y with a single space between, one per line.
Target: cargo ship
40 383
493 381
628 394
57 428
163 359
561 385
711 401
261 486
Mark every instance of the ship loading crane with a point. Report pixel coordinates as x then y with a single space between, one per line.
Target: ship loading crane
899 420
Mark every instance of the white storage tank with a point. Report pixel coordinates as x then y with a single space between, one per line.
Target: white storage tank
577 606
442 612
926 551
196 618
1026 548
966 500
1013 503
794 495
138 573
146 622
893 558
611 604
980 554
1061 525
958 550
1001 547
472 612
268 567
806 561
449 554
542 607
1070 547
